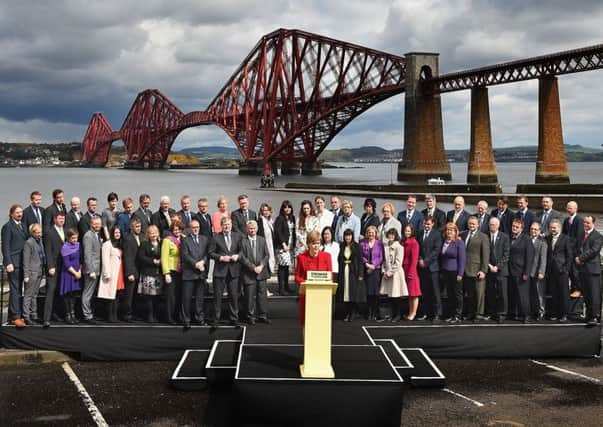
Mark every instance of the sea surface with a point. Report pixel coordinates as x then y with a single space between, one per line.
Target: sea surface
17 183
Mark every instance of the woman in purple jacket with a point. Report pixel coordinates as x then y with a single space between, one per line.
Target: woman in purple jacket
372 258
71 273
452 266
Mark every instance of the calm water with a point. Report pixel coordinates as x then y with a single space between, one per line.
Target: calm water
18 183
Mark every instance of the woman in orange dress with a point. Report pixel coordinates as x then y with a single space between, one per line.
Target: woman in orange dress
216 218
313 259
112 272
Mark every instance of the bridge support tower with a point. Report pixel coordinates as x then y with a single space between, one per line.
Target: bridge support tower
290 167
482 166
250 167
423 156
551 165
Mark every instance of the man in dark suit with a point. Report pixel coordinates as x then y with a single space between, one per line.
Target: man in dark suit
483 217
520 266
55 237
559 261
476 267
242 215
524 213
162 218
504 215
195 263
13 239
546 214
589 265
72 219
225 248
254 273
437 214
131 243
538 271
34 213
84 225
143 213
58 205
411 215
430 243
458 215
497 298
573 227
204 218
185 212
336 211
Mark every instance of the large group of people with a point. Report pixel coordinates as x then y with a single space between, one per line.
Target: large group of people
450 266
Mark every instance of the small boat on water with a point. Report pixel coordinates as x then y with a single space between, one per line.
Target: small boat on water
436 181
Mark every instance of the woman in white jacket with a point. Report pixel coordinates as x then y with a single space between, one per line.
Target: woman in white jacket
112 273
393 282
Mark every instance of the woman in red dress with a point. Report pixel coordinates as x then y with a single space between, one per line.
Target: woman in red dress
411 260
313 259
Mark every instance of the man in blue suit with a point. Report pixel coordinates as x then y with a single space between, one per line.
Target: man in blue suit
458 215
411 215
525 214
13 240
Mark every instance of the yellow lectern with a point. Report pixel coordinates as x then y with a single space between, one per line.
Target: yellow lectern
319 289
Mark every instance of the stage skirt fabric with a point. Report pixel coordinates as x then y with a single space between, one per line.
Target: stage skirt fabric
149 285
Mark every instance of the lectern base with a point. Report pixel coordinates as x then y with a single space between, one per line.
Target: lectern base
326 372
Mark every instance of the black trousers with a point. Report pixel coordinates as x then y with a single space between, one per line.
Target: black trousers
559 286
256 296
430 286
172 293
128 297
232 286
197 288
591 287
454 290
470 290
14 296
520 292
51 289
497 297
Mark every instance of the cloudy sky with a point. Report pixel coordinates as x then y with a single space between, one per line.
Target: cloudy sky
63 60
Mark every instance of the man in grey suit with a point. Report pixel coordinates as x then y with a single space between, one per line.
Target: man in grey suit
547 213
538 272
143 213
559 261
34 262
242 215
224 250
589 265
254 258
476 267
91 244
13 240
498 272
195 264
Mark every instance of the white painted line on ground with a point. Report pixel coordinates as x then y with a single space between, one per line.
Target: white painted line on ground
567 371
88 402
475 402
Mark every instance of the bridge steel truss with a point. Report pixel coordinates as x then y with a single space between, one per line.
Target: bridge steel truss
294 93
567 62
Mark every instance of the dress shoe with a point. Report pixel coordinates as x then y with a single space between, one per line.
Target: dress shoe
55 317
128 319
563 319
69 320
553 318
18 323
436 320
265 320
90 321
528 320
576 294
383 319
453 319
46 325
346 318
592 321
251 321
396 318
187 326
28 322
480 318
421 318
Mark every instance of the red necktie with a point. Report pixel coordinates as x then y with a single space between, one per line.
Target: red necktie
585 236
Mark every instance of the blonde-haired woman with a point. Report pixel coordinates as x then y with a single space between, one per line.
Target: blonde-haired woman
151 280
388 222
216 218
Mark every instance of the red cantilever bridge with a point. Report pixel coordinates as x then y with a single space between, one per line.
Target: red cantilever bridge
296 91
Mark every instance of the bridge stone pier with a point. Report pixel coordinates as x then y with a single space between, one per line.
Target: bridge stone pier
551 165
423 156
482 166
290 168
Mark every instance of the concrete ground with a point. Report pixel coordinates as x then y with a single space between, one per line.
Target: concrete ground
480 392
